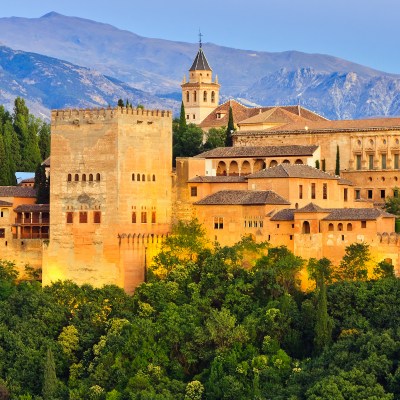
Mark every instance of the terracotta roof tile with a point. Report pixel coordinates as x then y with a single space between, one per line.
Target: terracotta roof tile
356 214
33 208
312 208
258 151
276 115
218 179
5 204
242 197
17 191
284 215
292 171
46 162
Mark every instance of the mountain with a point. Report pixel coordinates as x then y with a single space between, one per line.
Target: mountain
47 83
157 66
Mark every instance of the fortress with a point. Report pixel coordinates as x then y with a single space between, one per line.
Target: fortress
114 195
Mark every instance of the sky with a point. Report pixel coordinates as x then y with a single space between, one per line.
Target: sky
363 31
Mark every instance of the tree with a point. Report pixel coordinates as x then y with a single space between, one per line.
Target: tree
353 264
182 119
44 140
187 143
4 165
337 167
384 269
42 184
120 103
230 129
215 137
50 382
392 203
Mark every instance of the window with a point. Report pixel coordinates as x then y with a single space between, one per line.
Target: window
358 161
204 96
300 191
143 218
97 177
138 177
369 193
90 177
187 116
143 177
2 233
218 223
290 237
76 177
133 177
340 227
396 161
357 194
187 97
345 194
383 161
154 178
324 191
371 161
313 190
194 96
396 193
193 191
69 178
83 177
330 227
97 217
383 193
349 227
261 224
306 227
194 116
212 97
83 217
363 224
70 217
134 217
153 217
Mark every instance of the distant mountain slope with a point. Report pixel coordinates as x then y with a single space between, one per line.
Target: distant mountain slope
48 83
157 66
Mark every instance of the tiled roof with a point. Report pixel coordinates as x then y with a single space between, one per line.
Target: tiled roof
292 171
258 151
17 191
29 180
200 63
46 162
242 197
326 126
5 204
218 179
343 181
284 215
356 214
276 115
311 208
33 208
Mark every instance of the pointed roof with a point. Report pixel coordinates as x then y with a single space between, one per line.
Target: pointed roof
243 197
200 63
312 208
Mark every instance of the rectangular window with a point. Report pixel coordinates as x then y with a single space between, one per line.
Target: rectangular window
370 193
291 237
250 224
345 194
193 191
245 223
70 217
218 223
261 224
363 224
358 161
153 217
383 194
371 161
143 218
83 217
134 217
357 194
2 233
313 190
300 191
97 217
255 224
396 161
187 116
324 191
396 193
383 161
1 214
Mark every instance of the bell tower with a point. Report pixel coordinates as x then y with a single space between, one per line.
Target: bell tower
200 95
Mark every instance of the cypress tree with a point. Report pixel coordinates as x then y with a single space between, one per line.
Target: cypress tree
15 150
44 140
182 119
42 184
337 168
4 165
50 383
229 129
317 164
120 103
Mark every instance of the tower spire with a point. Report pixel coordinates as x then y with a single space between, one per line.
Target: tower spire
200 36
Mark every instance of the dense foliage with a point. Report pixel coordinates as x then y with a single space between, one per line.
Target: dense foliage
24 142
210 323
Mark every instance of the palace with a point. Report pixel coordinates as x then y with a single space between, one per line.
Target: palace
114 194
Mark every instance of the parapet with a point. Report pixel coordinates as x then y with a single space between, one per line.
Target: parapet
93 115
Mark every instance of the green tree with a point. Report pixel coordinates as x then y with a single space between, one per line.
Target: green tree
42 184
4 165
120 103
187 143
182 119
337 166
44 140
392 203
50 382
384 269
353 265
215 137
230 129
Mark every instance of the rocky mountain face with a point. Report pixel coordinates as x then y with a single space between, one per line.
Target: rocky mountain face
331 86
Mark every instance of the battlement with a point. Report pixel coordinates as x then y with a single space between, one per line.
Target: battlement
93 115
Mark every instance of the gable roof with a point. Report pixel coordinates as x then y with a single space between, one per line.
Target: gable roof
5 204
356 214
200 62
275 115
284 215
17 191
312 208
243 197
258 151
292 171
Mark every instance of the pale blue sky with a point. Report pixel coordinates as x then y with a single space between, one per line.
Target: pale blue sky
363 31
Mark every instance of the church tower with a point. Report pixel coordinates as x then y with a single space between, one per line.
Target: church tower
200 95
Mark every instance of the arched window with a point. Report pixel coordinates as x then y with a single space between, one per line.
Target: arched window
349 227
76 177
133 177
205 96
143 177
246 169
187 97
90 177
286 162
340 227
221 169
212 97
138 177
97 177
330 227
83 177
194 96
233 168
69 178
259 165
306 227
273 163
154 178
298 161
